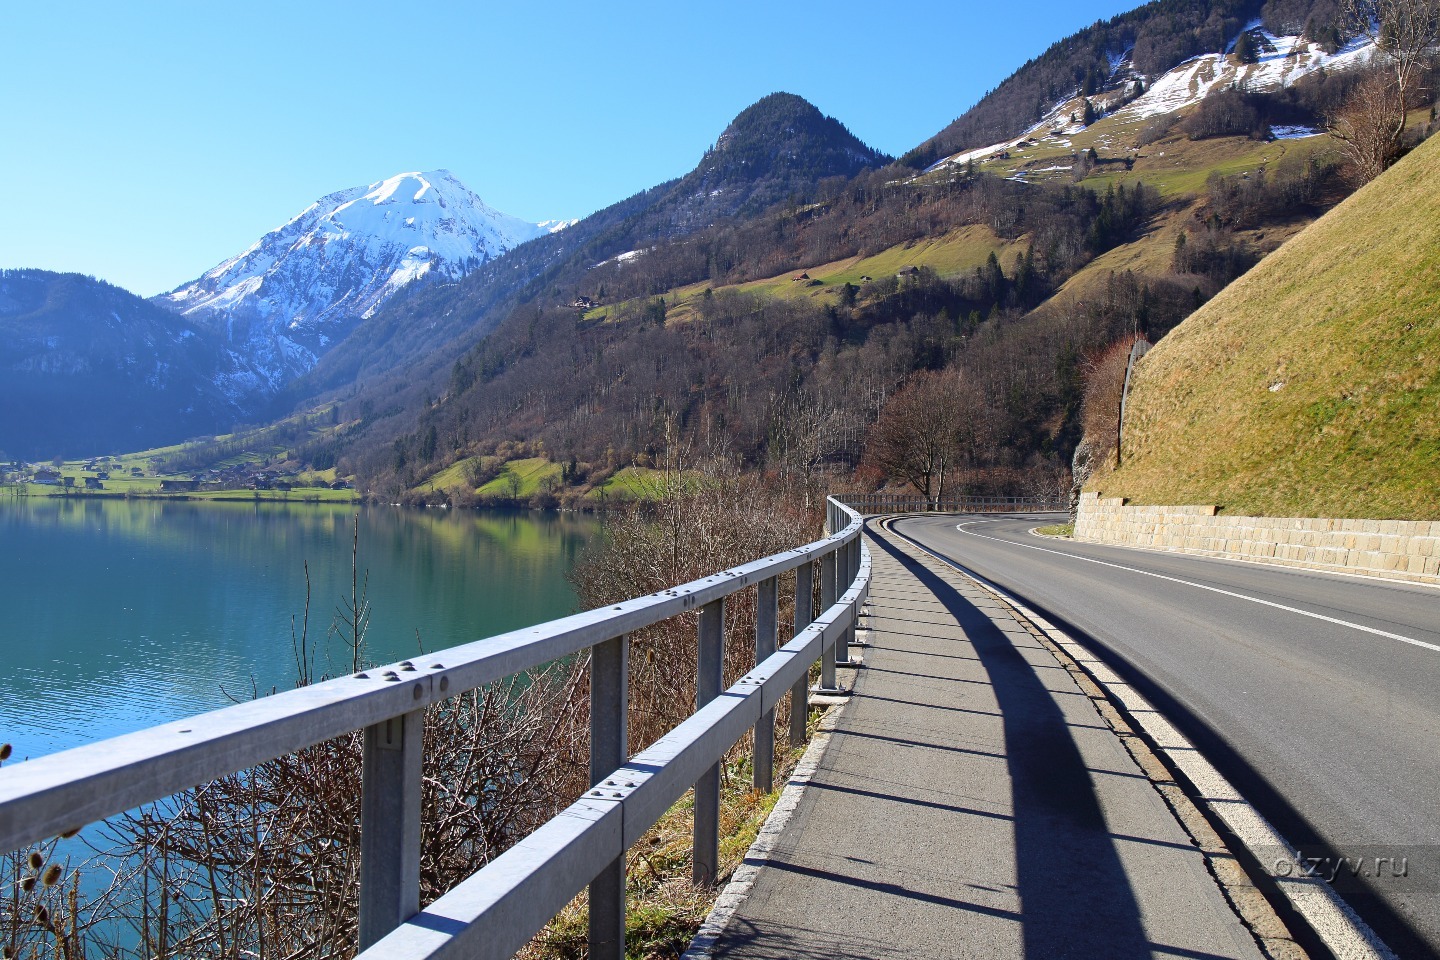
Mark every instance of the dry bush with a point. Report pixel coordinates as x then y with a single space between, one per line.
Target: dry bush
265 862
691 524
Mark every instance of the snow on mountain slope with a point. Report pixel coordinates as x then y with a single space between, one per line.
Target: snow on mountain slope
1281 62
304 286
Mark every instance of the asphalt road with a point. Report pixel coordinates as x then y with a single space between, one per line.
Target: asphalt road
1317 694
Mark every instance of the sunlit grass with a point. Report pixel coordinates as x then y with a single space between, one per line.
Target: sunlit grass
1310 386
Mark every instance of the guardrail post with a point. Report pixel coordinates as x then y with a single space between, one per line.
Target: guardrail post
767 626
390 825
852 570
609 749
844 576
709 682
804 616
827 600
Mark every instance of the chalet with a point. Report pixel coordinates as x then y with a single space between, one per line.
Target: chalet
50 478
102 475
582 303
94 483
67 481
340 485
136 472
803 276
909 271
178 486
864 279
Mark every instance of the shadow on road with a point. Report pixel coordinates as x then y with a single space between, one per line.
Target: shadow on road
1075 897
1390 923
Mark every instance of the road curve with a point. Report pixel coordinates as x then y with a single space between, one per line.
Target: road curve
1317 694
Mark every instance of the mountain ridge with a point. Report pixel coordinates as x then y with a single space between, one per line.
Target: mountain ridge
91 367
302 287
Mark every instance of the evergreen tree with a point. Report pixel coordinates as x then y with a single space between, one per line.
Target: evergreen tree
1245 51
1090 115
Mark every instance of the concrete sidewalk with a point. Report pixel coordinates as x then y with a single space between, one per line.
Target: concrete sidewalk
973 803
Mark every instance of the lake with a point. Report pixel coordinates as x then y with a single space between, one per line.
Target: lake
119 614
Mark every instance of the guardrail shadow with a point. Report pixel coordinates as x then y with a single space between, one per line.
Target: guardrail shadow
1076 899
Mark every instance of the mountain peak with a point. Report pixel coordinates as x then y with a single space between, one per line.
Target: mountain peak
778 147
303 286
783 132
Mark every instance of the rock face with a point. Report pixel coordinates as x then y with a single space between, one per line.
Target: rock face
304 286
1082 465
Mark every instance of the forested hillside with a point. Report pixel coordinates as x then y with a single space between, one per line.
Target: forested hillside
1154 38
778 149
767 305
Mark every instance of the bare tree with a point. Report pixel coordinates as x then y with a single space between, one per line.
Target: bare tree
1371 124
934 423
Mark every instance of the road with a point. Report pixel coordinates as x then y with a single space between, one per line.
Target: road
1317 694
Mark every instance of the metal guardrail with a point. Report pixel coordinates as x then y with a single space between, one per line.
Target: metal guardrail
880 503
496 910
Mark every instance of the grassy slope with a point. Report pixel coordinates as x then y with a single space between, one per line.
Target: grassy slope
954 253
532 471
122 484
1175 166
1346 316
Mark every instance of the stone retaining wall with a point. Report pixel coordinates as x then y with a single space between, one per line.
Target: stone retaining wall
1398 549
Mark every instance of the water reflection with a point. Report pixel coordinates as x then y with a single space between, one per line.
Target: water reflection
116 614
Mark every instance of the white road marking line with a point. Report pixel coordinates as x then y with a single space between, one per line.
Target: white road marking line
1200 586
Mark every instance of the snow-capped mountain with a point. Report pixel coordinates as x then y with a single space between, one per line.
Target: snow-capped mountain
1280 62
304 286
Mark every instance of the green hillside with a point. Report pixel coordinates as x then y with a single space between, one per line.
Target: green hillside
1310 386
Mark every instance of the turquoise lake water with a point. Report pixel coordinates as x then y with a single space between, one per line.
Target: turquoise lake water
116 615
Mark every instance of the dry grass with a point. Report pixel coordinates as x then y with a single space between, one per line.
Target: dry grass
951 254
1311 386
663 909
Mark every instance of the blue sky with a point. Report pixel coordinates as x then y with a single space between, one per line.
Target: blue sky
145 142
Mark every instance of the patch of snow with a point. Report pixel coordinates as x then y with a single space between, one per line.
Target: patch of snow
1294 132
625 257
1281 61
1118 60
341 258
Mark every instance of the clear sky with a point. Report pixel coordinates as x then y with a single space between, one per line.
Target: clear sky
145 142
